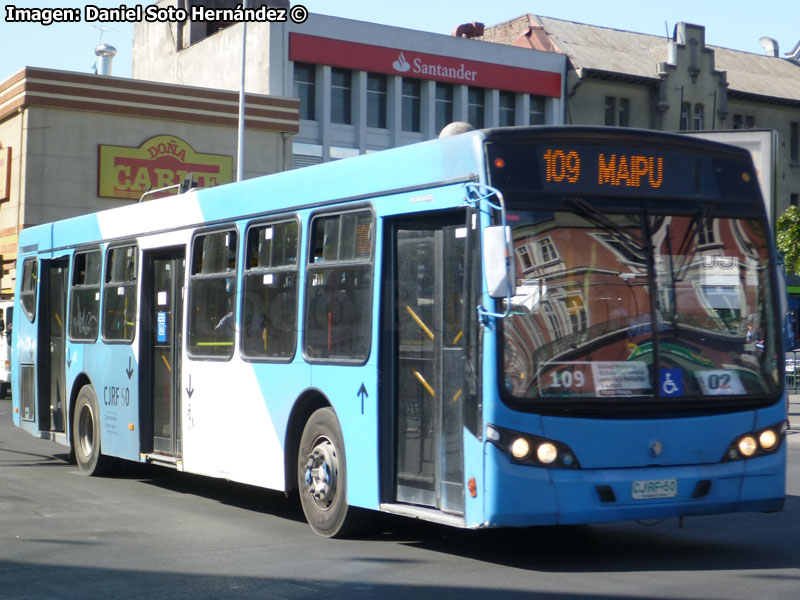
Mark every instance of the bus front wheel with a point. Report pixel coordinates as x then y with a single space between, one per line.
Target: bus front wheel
322 476
86 434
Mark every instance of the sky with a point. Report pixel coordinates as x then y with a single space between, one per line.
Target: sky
736 24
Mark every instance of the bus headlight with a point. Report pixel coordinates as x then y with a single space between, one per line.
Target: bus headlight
527 449
756 443
747 446
768 439
520 448
547 453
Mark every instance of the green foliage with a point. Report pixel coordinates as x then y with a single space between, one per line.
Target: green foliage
788 239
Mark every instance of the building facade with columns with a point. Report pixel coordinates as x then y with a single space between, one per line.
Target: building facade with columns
391 87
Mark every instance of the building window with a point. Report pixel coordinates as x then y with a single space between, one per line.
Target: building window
444 105
794 199
705 232
119 294
624 115
341 94
475 106
412 104
525 258
305 76
376 100
744 122
685 108
507 116
552 319
617 113
794 142
547 250
699 120
537 110
212 295
611 110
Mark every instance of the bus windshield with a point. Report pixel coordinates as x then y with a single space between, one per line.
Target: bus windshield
643 304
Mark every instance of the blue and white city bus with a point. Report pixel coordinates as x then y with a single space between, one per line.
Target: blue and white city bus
507 327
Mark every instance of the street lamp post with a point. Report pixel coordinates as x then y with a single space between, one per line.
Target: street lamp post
240 145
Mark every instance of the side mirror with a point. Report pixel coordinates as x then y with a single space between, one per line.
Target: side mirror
498 264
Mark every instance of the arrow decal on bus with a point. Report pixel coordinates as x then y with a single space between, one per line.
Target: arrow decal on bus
129 370
362 391
190 389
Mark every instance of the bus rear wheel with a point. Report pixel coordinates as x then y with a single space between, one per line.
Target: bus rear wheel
322 477
86 434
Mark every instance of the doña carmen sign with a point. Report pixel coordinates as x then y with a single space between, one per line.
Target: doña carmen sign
161 161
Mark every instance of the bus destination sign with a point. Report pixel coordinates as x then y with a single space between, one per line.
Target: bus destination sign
606 169
632 170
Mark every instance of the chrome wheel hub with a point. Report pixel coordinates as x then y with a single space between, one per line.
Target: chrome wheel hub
322 472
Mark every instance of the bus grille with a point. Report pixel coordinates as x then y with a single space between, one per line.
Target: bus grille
27 392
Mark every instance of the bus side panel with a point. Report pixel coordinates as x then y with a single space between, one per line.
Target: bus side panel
228 428
353 392
474 470
113 372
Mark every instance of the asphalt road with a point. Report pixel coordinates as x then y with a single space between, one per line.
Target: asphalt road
155 533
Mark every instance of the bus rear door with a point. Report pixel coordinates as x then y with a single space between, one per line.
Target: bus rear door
52 370
162 308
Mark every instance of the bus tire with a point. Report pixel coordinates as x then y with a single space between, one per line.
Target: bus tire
322 476
86 443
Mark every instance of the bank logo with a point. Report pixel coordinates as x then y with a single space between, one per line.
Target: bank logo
401 64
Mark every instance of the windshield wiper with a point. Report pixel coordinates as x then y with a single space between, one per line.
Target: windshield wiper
701 217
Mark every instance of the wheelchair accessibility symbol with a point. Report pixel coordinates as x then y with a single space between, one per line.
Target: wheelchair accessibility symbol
671 382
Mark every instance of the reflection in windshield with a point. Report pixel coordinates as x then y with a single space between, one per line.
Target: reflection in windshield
582 318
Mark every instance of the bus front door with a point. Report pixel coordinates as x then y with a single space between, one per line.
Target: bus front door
53 345
429 362
165 311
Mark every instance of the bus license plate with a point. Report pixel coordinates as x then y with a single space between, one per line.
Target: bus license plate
656 488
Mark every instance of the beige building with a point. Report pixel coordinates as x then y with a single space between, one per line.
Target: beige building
72 143
631 79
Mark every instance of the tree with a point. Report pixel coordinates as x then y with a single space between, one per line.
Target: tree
788 239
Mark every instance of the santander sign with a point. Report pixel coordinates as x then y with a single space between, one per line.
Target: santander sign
437 70
394 61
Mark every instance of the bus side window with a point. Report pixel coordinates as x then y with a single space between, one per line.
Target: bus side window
84 300
338 314
119 295
269 312
212 295
27 300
